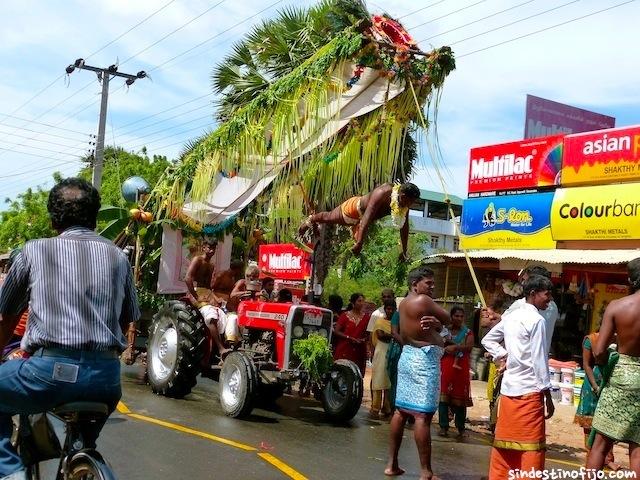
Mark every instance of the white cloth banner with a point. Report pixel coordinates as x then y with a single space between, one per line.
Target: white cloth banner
176 256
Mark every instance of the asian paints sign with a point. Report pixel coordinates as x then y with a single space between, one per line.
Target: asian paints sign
604 156
605 212
511 221
519 167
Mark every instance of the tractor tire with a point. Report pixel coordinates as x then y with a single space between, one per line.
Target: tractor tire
239 385
342 392
175 349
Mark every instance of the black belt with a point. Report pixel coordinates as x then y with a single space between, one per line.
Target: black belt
77 354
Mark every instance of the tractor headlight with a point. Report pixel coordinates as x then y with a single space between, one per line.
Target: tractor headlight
323 332
298 331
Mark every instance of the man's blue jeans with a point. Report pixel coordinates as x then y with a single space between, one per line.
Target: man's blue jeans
29 386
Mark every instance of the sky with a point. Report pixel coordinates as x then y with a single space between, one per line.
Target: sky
505 50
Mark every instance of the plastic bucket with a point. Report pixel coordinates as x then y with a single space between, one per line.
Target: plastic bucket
579 378
555 392
566 395
576 395
567 375
555 374
482 369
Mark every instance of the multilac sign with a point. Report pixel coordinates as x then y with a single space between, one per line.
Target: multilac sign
517 167
284 261
605 156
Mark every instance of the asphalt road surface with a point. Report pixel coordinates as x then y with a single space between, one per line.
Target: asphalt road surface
154 437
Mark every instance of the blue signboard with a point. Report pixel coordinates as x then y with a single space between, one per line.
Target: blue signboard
512 221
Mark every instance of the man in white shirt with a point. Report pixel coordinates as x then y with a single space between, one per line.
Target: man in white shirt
386 294
519 441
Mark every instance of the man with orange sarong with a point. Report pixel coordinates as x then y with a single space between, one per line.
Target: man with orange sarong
519 442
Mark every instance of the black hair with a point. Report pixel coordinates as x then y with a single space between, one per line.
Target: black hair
353 299
537 270
335 303
266 280
285 295
73 202
454 309
633 268
390 303
237 264
418 274
536 283
211 241
410 190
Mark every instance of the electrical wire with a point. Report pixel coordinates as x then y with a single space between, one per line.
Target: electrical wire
421 9
546 28
514 22
477 21
447 15
172 32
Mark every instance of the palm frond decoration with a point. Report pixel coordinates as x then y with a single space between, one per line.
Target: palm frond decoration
282 88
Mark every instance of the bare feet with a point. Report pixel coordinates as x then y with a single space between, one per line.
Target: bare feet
443 432
428 476
393 472
613 466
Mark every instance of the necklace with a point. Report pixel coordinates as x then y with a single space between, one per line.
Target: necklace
398 214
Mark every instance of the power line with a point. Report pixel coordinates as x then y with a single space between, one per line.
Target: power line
164 120
447 14
132 28
217 35
37 123
163 111
514 22
40 148
48 167
546 28
421 9
476 21
173 31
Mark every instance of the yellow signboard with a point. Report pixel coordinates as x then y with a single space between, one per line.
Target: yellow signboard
606 212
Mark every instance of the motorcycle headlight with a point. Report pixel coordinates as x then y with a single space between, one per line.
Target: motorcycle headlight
298 331
323 332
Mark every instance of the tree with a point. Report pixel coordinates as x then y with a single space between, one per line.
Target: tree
377 267
120 165
25 219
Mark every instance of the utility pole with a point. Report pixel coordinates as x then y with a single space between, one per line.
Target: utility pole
104 76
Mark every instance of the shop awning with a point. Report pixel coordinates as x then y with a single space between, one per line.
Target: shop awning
610 257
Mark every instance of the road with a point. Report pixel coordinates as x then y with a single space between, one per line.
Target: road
154 437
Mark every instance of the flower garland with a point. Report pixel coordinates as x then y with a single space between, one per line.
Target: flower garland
398 214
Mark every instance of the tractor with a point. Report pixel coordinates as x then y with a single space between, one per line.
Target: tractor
261 366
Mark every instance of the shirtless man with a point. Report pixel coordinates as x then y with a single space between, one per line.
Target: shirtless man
360 212
200 273
223 282
617 415
418 388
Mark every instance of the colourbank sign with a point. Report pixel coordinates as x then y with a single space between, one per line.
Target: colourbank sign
284 261
606 212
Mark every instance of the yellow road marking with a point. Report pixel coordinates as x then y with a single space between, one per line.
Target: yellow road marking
283 467
564 462
191 431
122 408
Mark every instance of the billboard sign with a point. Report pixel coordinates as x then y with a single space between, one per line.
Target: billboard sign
521 167
284 261
604 212
605 156
545 117
507 222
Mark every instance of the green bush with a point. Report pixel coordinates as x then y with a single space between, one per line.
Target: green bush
315 354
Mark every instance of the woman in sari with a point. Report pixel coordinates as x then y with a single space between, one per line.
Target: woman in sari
351 333
589 394
380 382
455 382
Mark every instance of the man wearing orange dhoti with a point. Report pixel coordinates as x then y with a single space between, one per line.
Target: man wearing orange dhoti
519 442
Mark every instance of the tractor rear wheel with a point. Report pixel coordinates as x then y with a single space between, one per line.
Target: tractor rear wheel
176 347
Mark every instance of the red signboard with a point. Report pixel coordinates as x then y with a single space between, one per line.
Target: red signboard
284 261
605 156
524 165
